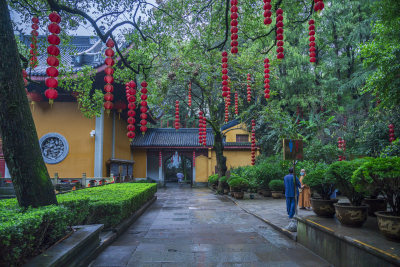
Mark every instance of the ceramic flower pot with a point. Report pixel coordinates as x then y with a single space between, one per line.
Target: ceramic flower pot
322 207
351 215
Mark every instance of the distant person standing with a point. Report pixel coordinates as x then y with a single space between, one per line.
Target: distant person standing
180 176
305 194
289 193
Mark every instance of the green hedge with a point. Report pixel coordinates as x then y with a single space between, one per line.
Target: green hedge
24 233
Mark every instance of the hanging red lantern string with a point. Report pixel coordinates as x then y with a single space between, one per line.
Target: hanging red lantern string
52 60
159 159
391 133
190 95
311 33
267 12
201 127
225 74
33 61
131 97
279 33
194 158
248 87
176 115
234 29
319 5
204 131
226 111
143 108
228 97
109 79
342 146
236 103
253 142
266 79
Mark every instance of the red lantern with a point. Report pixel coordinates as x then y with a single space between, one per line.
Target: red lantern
130 95
279 33
391 133
253 142
108 78
190 95
143 108
311 28
248 87
177 115
319 5
267 12
234 29
33 61
236 103
53 50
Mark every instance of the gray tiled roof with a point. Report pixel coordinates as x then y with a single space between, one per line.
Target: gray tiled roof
68 53
185 137
169 137
230 124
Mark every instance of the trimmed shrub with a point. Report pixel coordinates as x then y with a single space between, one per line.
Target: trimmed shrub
318 181
381 174
340 172
213 179
25 234
277 185
238 184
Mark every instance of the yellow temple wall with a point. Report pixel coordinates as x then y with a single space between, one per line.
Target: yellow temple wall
231 133
107 141
66 119
140 158
122 145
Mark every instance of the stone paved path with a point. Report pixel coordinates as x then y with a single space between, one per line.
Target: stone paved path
194 227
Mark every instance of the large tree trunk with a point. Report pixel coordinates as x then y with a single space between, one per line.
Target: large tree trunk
221 159
20 142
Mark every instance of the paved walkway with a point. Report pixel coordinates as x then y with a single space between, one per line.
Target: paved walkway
195 227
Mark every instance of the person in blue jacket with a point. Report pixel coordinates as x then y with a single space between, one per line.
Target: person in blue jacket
289 193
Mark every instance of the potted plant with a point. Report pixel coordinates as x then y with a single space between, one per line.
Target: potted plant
382 174
238 185
354 213
213 181
324 187
253 186
277 187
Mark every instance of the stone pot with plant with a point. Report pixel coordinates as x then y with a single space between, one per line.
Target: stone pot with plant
324 187
238 185
354 213
383 174
277 187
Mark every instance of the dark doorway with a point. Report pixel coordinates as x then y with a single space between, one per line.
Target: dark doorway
175 164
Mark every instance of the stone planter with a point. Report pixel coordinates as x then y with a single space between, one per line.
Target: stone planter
323 208
389 225
238 195
377 204
276 194
351 215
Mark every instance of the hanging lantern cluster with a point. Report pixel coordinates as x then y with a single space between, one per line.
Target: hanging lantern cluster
234 29
131 97
159 159
319 5
267 12
279 33
391 133
266 79
248 87
253 142
109 79
176 115
202 129
225 74
143 108
52 60
311 33
190 95
236 103
33 61
226 112
342 146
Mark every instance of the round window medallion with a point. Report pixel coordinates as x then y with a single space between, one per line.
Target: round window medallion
54 148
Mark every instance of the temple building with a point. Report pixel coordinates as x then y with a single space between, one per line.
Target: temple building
74 146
